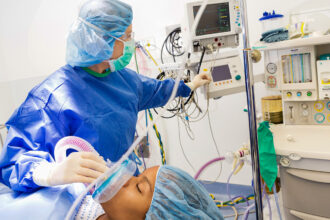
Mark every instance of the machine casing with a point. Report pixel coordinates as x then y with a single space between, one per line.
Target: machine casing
223 39
323 73
304 170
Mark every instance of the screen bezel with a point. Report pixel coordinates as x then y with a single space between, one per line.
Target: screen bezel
218 29
232 20
229 71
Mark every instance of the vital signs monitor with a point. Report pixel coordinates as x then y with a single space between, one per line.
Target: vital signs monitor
219 25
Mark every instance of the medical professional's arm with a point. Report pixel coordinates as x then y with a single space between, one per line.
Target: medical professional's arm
78 167
26 148
27 163
199 80
155 93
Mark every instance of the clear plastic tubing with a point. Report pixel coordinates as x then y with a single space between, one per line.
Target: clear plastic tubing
277 203
128 152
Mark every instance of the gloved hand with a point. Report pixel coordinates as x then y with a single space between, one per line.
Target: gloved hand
199 80
78 167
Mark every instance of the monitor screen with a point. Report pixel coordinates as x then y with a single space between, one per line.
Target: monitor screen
215 19
221 73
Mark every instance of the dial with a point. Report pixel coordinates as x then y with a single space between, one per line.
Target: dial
271 81
328 106
319 106
319 118
271 68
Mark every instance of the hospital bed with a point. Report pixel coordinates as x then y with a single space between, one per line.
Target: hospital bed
50 203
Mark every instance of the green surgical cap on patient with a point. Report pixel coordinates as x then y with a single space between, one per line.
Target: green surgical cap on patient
178 196
87 46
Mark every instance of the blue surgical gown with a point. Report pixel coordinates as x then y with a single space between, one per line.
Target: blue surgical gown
101 110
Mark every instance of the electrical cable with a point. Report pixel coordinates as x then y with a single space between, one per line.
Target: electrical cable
198 18
143 160
205 113
152 58
236 213
172 45
146 117
162 75
160 142
124 156
184 154
215 144
136 63
201 60
236 200
239 214
243 199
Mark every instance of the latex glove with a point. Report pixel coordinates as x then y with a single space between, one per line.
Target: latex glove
199 80
78 167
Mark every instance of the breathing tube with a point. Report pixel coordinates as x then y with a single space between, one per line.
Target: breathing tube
116 165
109 187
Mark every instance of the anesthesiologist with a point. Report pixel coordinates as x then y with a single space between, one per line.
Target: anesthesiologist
93 97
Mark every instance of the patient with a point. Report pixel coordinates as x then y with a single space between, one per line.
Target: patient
162 192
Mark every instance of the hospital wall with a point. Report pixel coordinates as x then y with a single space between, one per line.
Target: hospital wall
32 45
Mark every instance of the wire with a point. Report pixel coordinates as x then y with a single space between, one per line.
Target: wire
235 201
235 210
201 60
174 110
184 154
215 144
143 160
136 63
123 157
172 45
155 62
239 214
159 137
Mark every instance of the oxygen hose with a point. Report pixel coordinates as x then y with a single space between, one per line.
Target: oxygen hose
144 133
128 152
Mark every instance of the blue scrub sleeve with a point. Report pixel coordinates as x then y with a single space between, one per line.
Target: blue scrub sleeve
155 93
27 145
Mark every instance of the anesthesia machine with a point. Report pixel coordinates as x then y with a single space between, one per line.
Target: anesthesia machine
299 69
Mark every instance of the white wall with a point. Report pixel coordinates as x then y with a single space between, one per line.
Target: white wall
32 45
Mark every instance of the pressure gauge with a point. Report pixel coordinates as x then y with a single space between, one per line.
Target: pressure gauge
271 68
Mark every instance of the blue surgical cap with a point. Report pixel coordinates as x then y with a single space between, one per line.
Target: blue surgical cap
178 196
86 45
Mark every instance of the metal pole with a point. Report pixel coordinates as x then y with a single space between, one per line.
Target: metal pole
252 115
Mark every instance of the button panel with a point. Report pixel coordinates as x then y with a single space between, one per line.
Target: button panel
291 95
306 112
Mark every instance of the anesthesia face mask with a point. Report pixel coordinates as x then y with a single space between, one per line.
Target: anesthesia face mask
109 187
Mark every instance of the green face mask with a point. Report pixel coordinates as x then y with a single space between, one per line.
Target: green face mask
129 49
121 62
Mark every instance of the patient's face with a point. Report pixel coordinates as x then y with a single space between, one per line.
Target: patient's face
134 198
